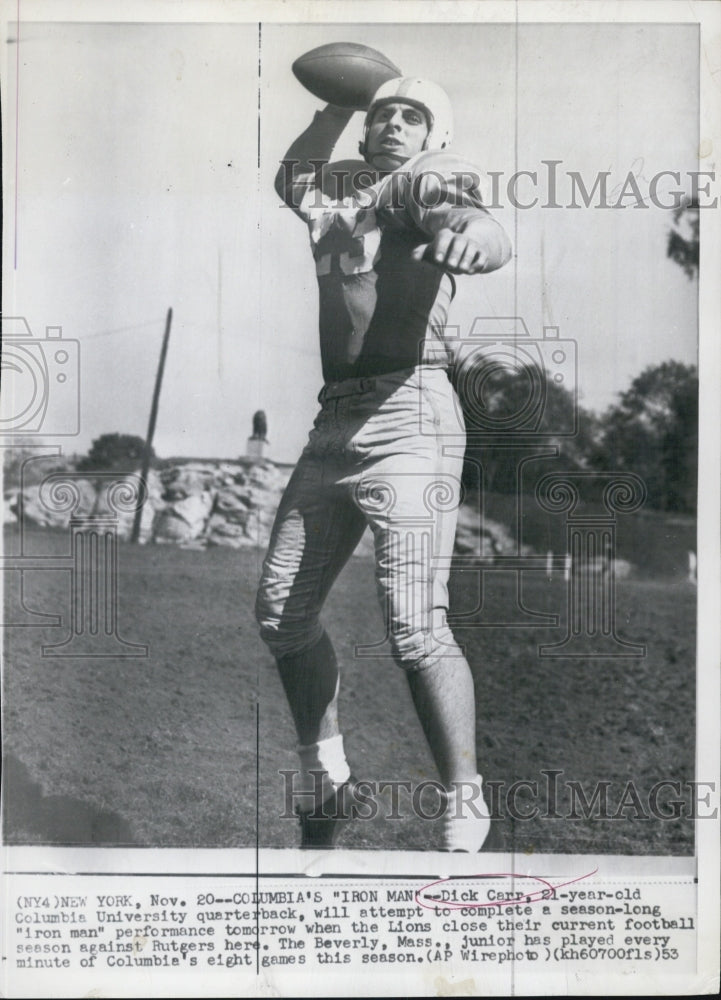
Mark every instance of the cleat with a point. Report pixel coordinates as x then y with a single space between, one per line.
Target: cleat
321 827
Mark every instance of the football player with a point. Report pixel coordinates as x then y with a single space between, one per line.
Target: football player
387 237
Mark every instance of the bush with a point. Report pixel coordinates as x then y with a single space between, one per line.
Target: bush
116 452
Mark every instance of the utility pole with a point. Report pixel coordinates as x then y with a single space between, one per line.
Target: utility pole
151 426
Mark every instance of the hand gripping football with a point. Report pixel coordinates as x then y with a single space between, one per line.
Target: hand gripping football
344 73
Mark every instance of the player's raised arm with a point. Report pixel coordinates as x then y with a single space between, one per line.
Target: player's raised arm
346 75
313 147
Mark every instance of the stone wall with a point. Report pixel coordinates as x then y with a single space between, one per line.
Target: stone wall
195 504
233 504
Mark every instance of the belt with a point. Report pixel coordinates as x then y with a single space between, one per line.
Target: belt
347 387
355 386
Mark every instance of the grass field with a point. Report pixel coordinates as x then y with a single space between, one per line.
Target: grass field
656 543
164 750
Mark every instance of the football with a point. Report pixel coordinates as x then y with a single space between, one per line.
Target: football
344 73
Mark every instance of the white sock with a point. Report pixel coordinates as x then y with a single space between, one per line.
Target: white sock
466 821
328 758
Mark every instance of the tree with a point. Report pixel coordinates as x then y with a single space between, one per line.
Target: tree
26 465
505 407
653 431
121 452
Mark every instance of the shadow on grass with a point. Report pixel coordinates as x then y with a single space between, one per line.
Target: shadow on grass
31 817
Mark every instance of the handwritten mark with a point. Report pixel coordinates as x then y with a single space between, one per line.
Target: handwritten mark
430 902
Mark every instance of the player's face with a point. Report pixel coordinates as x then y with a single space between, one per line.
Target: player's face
397 132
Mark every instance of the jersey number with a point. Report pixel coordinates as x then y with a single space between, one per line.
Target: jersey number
353 252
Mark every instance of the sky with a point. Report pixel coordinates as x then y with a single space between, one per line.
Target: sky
139 176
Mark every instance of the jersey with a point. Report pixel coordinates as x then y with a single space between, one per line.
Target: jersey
380 309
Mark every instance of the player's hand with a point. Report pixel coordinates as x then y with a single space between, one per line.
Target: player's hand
454 252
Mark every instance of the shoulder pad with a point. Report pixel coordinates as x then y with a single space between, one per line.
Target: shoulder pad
441 162
438 164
